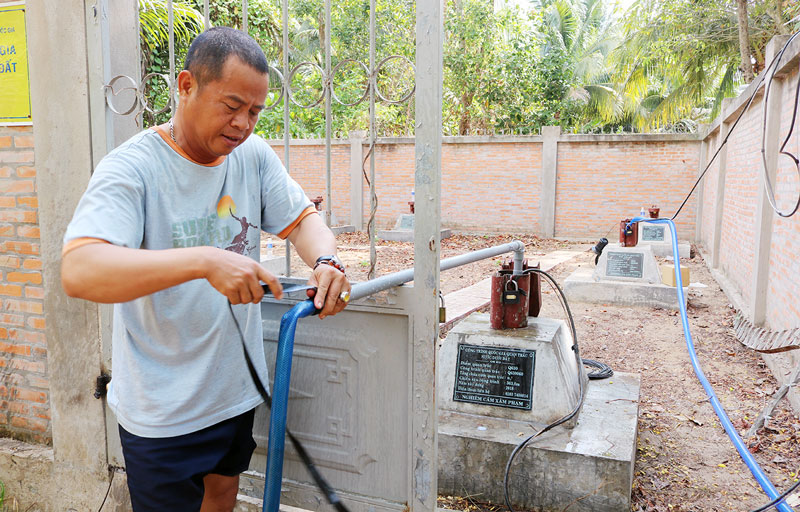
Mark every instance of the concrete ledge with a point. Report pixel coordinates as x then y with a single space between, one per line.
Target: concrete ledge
338 230
588 468
665 250
581 287
406 235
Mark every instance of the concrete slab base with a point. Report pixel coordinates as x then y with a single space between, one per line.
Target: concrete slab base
406 235
274 264
580 286
338 230
587 468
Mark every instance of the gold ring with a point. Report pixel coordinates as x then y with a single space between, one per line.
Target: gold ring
344 297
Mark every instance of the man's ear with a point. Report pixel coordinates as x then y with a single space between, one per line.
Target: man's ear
187 84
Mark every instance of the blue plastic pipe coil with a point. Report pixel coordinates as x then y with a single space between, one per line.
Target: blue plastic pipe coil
744 453
280 399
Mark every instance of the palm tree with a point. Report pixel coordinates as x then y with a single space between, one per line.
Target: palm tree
583 33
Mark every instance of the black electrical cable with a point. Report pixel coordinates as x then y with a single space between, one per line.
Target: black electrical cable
603 370
767 181
582 388
778 499
762 77
322 484
108 490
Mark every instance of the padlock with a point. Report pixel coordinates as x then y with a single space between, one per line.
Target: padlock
512 296
442 310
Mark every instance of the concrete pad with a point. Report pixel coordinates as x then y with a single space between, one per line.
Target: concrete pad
274 264
587 468
665 250
581 286
338 230
406 235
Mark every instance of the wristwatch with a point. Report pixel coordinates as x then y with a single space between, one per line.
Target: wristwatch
332 260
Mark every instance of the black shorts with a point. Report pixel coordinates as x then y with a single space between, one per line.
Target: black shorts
167 473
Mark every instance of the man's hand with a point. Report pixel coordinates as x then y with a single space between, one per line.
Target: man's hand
330 284
239 277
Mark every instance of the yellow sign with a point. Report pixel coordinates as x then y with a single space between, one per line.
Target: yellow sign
15 96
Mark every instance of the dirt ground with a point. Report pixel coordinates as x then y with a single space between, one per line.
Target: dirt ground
684 461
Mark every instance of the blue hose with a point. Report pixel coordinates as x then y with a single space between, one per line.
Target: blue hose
280 399
744 453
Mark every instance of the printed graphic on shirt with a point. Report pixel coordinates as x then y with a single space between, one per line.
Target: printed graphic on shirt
213 230
205 230
227 208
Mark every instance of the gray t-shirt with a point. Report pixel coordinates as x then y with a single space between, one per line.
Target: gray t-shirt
178 364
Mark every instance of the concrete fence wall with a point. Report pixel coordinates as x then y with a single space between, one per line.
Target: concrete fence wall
753 250
567 186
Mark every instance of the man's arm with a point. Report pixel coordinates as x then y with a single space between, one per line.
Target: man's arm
106 273
312 239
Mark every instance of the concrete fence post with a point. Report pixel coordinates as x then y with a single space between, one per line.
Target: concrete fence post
547 201
698 224
357 179
764 213
719 200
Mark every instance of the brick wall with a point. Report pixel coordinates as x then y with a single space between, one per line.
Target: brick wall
601 183
495 186
783 310
24 395
743 186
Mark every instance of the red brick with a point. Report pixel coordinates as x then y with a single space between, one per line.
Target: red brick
17 187
12 320
10 290
29 201
20 350
41 412
18 216
9 261
18 364
21 247
36 425
26 336
24 277
28 232
23 141
5 172
34 292
23 306
5 142
29 395
32 264
16 157
37 323
8 202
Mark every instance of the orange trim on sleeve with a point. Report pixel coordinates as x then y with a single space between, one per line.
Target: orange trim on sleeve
305 213
163 131
80 242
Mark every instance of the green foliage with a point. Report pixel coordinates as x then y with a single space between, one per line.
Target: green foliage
680 59
154 40
577 64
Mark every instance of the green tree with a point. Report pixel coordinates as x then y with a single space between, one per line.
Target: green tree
680 59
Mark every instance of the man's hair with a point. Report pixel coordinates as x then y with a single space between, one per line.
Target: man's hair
209 51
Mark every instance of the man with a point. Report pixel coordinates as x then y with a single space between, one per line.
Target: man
167 231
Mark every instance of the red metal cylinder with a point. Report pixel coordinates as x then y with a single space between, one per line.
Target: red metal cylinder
628 235
504 314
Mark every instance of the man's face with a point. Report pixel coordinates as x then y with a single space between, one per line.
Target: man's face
221 114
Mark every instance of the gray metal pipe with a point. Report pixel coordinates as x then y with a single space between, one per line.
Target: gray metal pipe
361 290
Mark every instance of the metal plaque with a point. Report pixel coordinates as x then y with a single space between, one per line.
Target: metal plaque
625 264
653 233
502 377
407 222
